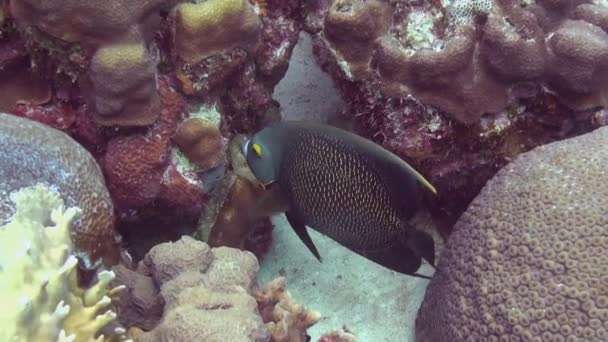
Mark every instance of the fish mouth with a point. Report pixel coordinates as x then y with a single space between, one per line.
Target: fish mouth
245 145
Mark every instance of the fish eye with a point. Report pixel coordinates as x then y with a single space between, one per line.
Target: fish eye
257 149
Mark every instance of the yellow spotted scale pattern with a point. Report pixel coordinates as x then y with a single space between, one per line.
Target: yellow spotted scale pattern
342 192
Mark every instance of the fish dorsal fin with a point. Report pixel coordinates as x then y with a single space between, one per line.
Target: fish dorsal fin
400 164
425 183
369 147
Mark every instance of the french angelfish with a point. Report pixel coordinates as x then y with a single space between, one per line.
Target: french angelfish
345 187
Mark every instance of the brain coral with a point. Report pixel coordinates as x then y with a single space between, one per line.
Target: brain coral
529 259
208 294
31 152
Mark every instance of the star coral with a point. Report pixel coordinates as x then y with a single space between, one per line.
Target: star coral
38 281
528 260
121 87
32 153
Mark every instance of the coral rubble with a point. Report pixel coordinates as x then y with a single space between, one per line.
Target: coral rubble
459 88
38 282
187 291
528 259
32 153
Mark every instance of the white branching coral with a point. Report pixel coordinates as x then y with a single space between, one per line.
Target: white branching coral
38 280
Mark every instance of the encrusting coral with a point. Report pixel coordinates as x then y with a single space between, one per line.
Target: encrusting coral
38 282
528 260
32 153
207 294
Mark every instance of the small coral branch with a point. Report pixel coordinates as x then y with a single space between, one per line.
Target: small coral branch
38 281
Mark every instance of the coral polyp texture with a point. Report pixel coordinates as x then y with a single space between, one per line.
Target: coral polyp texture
32 153
187 291
38 281
528 260
459 88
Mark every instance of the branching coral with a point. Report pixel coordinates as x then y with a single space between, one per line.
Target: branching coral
286 319
207 293
38 282
528 259
32 153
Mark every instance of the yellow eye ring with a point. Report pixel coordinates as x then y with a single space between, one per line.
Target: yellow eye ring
257 149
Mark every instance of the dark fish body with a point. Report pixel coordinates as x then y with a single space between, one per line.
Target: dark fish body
347 188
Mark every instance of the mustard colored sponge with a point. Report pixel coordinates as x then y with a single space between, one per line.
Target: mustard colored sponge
206 28
38 282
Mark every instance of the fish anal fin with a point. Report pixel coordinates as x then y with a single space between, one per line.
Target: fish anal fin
422 244
397 257
300 228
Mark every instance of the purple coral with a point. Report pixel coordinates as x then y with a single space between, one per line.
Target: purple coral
528 260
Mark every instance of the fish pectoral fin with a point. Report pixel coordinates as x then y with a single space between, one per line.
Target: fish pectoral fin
272 201
300 228
422 244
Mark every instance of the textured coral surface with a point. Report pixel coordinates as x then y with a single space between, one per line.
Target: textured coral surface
32 153
121 76
529 258
187 291
459 88
38 281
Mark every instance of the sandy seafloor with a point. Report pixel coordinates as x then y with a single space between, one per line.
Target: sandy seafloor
375 303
